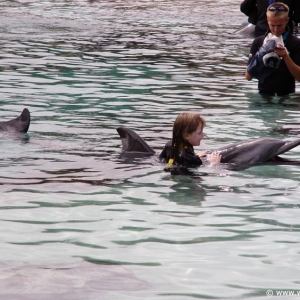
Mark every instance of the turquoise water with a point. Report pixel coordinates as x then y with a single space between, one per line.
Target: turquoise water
78 221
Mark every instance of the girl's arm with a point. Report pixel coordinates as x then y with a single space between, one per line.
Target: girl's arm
201 154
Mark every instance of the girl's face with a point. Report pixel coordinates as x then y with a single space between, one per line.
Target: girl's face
195 137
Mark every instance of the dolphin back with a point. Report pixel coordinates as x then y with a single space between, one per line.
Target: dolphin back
132 142
19 124
256 151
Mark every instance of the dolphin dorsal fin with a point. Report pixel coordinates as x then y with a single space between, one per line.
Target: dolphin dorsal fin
19 124
132 142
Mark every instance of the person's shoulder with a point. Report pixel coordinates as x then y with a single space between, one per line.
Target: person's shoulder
166 152
258 41
168 147
293 46
169 144
293 42
260 38
294 38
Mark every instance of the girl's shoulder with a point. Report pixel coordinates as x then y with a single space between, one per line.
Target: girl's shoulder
166 152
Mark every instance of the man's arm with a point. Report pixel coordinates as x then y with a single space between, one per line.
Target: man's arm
248 76
293 68
256 44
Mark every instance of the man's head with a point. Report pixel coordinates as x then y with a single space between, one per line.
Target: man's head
277 18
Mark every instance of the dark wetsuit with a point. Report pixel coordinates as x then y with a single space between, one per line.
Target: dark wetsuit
187 157
261 26
281 81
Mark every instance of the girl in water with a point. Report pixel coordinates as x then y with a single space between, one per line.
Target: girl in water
187 133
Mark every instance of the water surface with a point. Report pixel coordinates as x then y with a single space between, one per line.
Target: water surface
78 220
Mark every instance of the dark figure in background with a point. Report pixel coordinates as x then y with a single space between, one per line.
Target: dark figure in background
256 11
282 79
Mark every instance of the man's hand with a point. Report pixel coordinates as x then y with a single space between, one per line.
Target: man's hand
281 51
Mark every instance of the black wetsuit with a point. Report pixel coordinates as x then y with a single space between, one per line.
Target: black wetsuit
281 81
186 158
259 9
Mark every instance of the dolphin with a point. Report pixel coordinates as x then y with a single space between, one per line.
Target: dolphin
247 31
237 156
19 124
242 155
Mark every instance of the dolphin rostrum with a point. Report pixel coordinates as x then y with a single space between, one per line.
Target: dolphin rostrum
19 124
240 155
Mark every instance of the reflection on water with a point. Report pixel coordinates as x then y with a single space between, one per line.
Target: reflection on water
77 218
67 281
